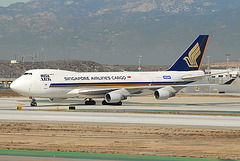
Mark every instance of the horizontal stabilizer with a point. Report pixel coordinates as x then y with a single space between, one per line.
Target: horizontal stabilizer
229 82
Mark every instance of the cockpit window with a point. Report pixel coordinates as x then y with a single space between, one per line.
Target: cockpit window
27 74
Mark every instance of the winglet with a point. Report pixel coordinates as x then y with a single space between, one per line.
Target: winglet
192 58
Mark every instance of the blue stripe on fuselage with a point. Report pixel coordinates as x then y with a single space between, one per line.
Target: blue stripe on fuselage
117 84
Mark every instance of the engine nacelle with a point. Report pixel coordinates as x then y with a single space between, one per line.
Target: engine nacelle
114 97
164 93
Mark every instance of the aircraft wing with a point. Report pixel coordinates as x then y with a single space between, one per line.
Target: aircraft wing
190 77
91 91
196 77
131 90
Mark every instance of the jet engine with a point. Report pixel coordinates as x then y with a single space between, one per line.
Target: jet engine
164 93
116 96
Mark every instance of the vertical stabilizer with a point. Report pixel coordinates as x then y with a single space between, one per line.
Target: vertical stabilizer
191 59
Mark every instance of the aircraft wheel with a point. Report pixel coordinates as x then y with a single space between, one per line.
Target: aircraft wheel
87 102
93 102
104 102
90 102
33 103
119 103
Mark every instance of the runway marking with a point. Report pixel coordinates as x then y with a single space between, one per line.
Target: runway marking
141 111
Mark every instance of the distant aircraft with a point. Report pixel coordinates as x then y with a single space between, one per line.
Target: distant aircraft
113 87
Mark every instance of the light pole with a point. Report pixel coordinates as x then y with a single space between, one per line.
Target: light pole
44 61
139 62
239 64
208 62
228 55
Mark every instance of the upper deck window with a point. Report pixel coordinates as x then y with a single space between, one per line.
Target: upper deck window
27 74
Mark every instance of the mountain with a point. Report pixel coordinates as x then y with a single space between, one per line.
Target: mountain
117 31
10 70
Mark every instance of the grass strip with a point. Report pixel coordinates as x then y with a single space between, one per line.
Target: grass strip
99 156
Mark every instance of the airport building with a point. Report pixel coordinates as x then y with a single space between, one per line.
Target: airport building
225 81
5 84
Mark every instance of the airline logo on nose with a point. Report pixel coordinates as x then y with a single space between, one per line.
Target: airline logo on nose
193 54
45 77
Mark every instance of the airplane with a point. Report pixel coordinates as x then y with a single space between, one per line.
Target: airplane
113 87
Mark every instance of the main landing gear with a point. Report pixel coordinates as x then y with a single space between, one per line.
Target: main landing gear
90 101
104 102
33 103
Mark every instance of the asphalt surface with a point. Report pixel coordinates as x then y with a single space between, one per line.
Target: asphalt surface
208 104
123 118
129 112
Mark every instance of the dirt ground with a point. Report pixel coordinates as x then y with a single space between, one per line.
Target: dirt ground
122 139
9 93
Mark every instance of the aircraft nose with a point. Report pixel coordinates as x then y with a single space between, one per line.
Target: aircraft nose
19 86
15 86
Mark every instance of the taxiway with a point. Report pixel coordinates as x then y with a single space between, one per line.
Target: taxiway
134 111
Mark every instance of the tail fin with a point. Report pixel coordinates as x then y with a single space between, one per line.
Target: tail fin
191 59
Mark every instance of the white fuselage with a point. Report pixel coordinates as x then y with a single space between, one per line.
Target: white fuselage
49 83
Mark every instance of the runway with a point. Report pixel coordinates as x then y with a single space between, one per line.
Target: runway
58 112
122 118
205 105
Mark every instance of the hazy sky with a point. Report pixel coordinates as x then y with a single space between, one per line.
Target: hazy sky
6 3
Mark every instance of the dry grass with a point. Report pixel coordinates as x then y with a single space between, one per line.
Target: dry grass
121 139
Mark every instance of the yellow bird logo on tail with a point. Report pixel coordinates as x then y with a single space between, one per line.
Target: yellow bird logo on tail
193 54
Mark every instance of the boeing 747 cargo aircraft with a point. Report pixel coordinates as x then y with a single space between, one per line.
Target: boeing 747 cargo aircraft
113 87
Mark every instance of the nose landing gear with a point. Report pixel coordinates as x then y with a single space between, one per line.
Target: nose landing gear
33 103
